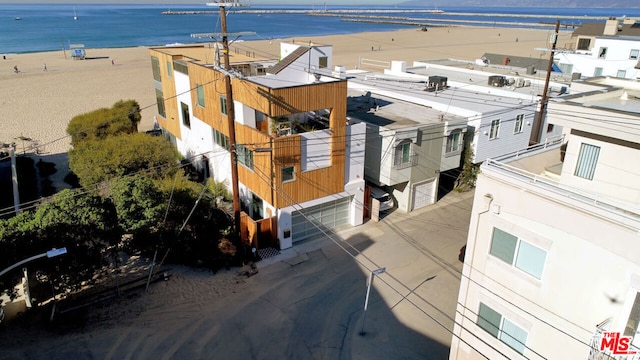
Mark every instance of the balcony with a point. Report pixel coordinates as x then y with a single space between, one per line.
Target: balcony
624 212
298 123
401 162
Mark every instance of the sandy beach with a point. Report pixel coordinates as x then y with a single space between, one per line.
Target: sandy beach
38 104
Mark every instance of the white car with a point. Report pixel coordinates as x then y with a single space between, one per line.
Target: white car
386 200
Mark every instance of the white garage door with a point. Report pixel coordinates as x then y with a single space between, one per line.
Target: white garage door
312 220
424 194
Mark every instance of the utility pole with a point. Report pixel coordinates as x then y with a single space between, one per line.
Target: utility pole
543 101
230 107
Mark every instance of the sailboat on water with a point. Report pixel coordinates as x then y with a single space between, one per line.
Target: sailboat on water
75 16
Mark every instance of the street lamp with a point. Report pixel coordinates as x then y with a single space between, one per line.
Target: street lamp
366 299
49 254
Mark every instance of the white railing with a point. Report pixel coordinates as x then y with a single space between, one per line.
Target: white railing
621 208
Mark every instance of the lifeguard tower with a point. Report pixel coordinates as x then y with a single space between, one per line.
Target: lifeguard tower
77 51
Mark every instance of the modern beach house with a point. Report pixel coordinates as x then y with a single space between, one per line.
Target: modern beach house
300 162
603 49
552 264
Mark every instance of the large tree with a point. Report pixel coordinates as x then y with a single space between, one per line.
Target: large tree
139 203
116 156
122 118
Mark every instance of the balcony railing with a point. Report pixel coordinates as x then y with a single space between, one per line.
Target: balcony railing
620 208
401 163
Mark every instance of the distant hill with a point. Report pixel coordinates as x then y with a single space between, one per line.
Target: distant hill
519 3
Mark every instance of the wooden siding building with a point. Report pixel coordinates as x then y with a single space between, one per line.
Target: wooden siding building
291 138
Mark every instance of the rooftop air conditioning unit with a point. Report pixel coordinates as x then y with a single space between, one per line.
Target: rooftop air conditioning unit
497 80
519 82
436 83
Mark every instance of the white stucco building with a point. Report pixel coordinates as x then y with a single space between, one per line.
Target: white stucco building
552 257
604 49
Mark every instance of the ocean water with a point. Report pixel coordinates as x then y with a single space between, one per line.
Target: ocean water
44 27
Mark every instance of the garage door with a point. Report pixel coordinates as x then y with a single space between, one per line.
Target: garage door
312 220
424 194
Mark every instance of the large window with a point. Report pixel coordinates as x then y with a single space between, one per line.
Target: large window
517 129
454 142
186 120
587 161
633 329
566 68
502 328
160 102
223 105
621 73
633 55
200 93
323 62
518 253
495 129
403 156
155 68
583 44
597 72
244 156
221 139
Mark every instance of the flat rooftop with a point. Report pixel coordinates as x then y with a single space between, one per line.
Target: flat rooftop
204 54
393 113
457 99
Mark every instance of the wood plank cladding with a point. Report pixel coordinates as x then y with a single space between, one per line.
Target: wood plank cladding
172 120
270 155
213 83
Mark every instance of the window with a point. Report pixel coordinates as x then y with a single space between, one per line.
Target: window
602 54
403 155
583 44
186 121
502 328
160 103
633 55
169 69
155 67
288 174
587 161
621 73
517 129
495 129
223 106
221 139
181 68
200 93
454 142
632 329
517 252
244 156
597 72
323 62
566 68
550 128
